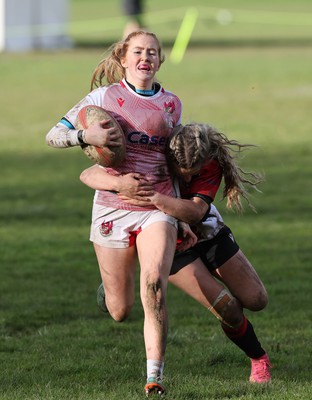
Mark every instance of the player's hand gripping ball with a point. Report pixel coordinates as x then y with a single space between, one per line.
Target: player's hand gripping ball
106 156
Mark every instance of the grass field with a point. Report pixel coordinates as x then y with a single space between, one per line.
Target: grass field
251 80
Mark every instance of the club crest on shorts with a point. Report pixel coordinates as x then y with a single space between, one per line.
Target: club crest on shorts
106 228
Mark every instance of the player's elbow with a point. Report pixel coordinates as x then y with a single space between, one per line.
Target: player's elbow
49 139
85 177
197 211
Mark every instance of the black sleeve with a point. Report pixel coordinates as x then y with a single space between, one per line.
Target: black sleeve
207 199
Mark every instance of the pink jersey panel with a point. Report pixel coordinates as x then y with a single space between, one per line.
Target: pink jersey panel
147 122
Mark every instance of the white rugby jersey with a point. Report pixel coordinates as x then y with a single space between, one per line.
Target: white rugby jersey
146 122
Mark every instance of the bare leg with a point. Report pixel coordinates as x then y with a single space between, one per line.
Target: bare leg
196 281
156 246
243 282
117 268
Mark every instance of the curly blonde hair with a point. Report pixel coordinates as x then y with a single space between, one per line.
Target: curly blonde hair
192 145
110 67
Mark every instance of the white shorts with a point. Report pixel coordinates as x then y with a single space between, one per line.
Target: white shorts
116 228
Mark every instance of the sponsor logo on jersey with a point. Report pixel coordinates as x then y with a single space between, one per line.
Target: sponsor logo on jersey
143 138
106 228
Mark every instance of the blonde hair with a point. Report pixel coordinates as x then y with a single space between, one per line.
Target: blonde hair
110 67
193 144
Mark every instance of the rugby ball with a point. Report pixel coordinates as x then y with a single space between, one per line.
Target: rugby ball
105 156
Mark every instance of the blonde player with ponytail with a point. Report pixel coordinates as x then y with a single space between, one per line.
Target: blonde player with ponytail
124 83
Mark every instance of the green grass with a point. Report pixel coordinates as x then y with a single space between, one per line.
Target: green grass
251 82
251 21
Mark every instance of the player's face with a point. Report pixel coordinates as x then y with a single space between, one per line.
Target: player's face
185 174
141 61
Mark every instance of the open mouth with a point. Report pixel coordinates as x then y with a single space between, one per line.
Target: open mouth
144 67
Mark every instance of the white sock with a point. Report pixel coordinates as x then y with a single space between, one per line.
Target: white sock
155 369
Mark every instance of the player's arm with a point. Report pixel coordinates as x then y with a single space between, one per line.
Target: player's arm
61 135
130 185
98 178
191 210
64 134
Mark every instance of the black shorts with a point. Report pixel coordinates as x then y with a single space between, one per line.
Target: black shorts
213 253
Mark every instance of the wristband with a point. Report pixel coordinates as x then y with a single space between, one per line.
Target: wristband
81 136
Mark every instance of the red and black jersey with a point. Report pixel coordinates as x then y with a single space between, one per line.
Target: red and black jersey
205 183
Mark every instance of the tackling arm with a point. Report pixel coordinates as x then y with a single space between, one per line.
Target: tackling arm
131 185
190 211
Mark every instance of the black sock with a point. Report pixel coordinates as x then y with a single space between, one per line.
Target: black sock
245 338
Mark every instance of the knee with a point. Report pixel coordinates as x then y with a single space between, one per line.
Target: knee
232 313
227 309
120 313
258 301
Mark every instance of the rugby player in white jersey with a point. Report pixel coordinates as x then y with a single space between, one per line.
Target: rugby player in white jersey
122 233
